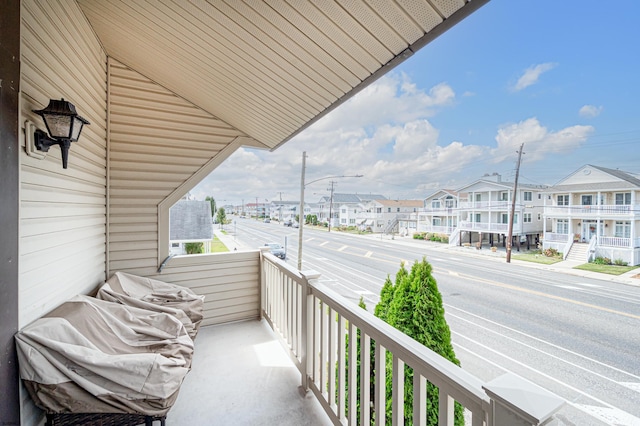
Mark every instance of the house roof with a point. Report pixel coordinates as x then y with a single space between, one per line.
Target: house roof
401 203
339 198
442 193
190 221
612 179
268 69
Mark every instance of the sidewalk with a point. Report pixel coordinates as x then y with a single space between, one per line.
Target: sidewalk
566 267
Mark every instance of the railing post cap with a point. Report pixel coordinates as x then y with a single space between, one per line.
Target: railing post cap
310 274
527 400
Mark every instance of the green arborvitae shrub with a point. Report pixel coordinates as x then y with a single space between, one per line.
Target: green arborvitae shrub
416 309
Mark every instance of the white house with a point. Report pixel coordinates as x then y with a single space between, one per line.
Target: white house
595 211
439 213
342 208
484 209
190 222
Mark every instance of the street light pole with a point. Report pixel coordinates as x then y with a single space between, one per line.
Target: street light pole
301 212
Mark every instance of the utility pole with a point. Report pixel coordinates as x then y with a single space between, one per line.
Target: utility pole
280 208
331 203
513 205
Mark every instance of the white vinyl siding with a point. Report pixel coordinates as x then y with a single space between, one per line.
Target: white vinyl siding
62 212
157 142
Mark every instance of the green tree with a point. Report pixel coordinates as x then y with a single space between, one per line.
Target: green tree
194 248
213 205
416 310
221 217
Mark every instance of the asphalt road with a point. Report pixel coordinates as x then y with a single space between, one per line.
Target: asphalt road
578 337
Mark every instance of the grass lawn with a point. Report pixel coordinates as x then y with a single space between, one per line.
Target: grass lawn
537 258
217 246
605 269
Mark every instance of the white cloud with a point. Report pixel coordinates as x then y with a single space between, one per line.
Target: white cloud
590 111
531 75
538 140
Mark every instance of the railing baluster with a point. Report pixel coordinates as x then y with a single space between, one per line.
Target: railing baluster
365 379
342 366
331 363
419 399
352 398
380 397
445 409
397 402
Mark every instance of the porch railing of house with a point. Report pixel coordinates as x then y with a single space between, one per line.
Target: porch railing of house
593 210
439 229
483 226
318 327
617 242
502 205
556 238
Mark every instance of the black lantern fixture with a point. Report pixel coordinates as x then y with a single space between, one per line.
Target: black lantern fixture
63 124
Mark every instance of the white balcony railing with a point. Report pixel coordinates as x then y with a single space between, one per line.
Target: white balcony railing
483 226
314 322
614 242
556 238
485 205
615 210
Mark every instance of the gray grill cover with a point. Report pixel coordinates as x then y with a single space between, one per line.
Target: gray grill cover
94 356
154 295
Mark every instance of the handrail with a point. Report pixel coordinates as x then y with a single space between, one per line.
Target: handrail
315 323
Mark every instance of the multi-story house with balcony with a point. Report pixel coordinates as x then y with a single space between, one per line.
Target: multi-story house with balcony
594 212
484 209
439 213
342 208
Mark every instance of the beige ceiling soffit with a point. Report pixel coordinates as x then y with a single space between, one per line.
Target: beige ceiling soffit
448 23
251 142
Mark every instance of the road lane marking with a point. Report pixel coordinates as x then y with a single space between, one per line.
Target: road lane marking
631 385
569 287
369 253
611 416
324 244
342 248
590 285
447 306
617 411
548 296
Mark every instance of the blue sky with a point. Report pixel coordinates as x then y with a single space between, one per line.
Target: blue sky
559 76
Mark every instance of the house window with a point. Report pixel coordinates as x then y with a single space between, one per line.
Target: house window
478 197
449 202
515 218
586 200
343 220
343 211
436 221
504 217
539 216
526 218
623 229
352 221
175 245
435 204
378 209
398 210
528 196
539 196
388 209
623 198
504 196
478 218
562 226
563 200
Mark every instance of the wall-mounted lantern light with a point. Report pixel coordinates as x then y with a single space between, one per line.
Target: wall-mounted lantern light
63 124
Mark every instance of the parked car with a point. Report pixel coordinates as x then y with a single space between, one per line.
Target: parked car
287 222
277 250
267 220
295 225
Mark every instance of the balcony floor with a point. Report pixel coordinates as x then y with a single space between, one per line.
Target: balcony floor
241 375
